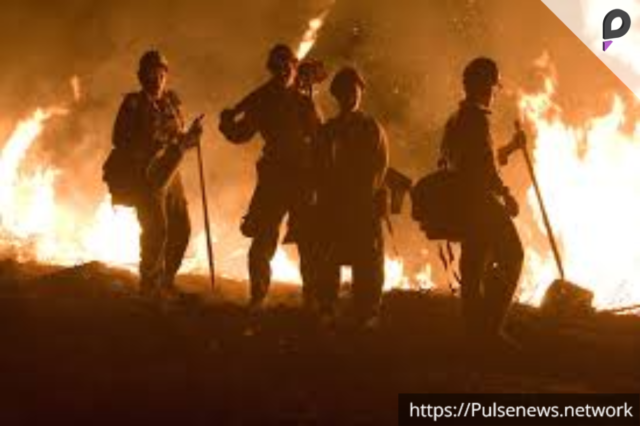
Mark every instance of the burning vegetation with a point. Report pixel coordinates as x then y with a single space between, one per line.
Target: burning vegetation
82 343
586 170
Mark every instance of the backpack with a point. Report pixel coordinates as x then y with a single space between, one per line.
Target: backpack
438 205
124 178
121 172
127 177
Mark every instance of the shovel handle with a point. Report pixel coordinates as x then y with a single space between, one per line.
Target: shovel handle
207 225
545 216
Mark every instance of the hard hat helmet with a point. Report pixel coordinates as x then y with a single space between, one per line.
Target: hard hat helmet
280 53
345 78
152 59
481 72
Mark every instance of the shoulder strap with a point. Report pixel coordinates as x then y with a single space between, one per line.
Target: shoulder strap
447 257
448 142
175 104
127 117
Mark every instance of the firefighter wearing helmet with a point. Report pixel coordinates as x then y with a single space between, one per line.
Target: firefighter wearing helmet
352 199
491 251
149 130
287 121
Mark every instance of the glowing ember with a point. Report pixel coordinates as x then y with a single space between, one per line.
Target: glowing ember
591 186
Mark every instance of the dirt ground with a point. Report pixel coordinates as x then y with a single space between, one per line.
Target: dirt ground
79 347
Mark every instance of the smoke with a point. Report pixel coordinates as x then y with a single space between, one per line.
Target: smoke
411 53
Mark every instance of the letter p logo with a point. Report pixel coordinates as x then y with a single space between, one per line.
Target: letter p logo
608 32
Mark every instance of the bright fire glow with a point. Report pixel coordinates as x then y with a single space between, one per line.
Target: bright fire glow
591 185
23 197
588 174
311 35
36 225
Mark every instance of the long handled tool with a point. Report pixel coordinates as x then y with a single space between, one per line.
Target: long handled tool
562 296
543 210
207 225
519 144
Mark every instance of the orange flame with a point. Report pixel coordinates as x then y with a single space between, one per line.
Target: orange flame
35 225
311 35
588 175
24 198
591 186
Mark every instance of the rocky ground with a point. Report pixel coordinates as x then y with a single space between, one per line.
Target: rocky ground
79 347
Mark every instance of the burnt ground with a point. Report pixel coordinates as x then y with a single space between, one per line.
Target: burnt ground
78 347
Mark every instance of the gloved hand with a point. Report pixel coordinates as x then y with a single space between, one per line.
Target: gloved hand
227 119
511 205
227 115
191 139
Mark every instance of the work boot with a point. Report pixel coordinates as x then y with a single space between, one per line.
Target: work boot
148 289
168 291
171 294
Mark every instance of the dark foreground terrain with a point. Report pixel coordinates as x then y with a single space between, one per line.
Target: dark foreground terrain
78 347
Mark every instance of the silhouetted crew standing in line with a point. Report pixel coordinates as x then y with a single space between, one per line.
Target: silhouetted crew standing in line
149 132
352 200
288 122
492 254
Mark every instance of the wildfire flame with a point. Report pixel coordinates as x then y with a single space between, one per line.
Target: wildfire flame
22 196
36 225
588 174
591 186
311 35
